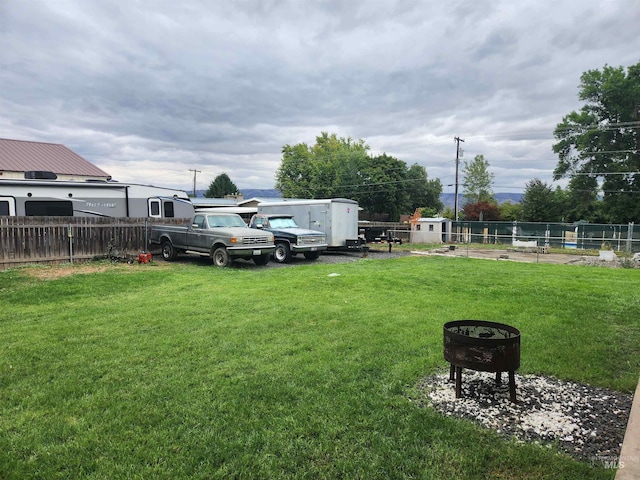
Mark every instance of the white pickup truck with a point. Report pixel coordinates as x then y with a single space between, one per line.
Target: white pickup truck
223 236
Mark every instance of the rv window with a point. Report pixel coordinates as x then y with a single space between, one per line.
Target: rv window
431 228
168 209
154 208
7 206
43 208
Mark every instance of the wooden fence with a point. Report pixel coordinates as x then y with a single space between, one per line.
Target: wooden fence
53 240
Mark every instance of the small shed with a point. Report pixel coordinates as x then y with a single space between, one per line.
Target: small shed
430 230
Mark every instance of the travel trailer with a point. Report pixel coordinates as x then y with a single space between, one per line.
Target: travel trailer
91 199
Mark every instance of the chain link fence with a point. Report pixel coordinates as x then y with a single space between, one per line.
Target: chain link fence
582 236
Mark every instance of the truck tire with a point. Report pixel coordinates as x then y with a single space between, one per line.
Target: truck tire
282 253
311 255
261 260
220 257
169 252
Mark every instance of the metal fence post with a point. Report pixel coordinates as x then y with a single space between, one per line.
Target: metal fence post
70 235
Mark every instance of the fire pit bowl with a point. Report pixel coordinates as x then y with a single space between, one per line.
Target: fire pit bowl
483 346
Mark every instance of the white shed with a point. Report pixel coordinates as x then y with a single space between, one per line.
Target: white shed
430 230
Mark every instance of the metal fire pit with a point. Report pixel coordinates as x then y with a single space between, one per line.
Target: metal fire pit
483 346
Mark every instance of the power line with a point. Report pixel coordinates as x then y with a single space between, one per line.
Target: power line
598 174
607 152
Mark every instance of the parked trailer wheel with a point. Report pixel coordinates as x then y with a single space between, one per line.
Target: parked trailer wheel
221 257
311 255
169 252
282 253
261 260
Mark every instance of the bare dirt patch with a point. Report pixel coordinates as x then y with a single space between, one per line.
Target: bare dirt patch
52 272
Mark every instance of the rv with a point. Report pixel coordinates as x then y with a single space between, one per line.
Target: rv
91 199
337 218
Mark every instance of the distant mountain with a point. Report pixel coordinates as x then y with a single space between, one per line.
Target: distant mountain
251 193
449 198
260 193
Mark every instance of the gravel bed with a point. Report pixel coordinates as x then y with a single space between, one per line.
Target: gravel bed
586 422
615 263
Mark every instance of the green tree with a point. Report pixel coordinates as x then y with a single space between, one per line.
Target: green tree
332 167
221 186
295 177
449 213
601 143
384 187
510 211
423 192
338 163
428 212
341 167
477 181
539 203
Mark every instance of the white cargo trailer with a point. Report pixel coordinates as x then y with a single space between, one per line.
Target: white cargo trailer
337 218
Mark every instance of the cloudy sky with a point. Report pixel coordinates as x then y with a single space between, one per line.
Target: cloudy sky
151 90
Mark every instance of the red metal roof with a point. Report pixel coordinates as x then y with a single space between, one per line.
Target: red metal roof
25 156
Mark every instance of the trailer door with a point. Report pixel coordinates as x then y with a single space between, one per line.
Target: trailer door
319 219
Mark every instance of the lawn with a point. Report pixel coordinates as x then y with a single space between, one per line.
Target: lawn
189 371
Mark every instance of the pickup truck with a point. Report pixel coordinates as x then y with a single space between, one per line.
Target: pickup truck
223 236
289 238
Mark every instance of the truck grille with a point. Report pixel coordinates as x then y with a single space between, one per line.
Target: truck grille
311 239
255 240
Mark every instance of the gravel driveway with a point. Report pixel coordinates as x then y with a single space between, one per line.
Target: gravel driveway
380 252
325 258
341 257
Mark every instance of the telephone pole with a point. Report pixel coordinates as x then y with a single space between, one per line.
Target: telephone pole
457 140
196 172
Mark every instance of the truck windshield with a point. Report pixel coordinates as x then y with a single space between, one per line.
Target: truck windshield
282 222
225 221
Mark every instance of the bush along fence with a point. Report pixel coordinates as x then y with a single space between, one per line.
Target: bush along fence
582 236
53 240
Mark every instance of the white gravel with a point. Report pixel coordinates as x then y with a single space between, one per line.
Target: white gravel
586 422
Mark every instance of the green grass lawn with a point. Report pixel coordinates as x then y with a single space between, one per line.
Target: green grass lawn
190 371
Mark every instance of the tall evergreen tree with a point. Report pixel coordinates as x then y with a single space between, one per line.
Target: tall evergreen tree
539 203
221 186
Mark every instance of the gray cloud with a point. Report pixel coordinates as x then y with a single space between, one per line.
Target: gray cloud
148 90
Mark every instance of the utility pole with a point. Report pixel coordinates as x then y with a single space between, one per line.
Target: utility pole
457 140
196 172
